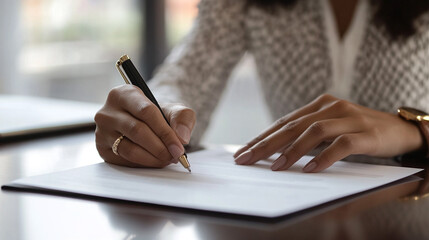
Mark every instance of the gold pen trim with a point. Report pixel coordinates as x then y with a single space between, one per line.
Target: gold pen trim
124 58
184 161
118 66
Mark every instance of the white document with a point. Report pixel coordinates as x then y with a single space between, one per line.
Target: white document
21 115
217 184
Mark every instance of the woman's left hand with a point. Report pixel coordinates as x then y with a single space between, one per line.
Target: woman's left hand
347 127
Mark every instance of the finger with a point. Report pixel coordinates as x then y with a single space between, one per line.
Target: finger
314 106
182 120
110 157
343 146
143 109
133 153
284 136
107 154
313 136
266 147
139 133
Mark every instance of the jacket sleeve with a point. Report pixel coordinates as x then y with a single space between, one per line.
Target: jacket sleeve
196 71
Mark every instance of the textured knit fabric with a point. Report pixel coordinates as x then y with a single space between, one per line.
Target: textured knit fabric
291 52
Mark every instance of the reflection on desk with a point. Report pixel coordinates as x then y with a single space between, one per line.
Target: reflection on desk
383 214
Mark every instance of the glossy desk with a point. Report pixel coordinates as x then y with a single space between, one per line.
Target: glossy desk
380 214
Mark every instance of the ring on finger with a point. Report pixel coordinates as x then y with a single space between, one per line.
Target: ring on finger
116 144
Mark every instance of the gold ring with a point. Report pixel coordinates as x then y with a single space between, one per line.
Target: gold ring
116 144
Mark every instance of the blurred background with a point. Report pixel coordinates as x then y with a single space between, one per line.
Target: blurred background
67 49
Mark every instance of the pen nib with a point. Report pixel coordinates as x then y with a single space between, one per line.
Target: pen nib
184 161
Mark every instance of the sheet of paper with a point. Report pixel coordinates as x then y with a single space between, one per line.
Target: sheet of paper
217 184
22 115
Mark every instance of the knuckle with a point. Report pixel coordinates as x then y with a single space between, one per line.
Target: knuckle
261 146
139 133
255 141
165 134
147 109
317 129
289 127
114 94
134 129
325 98
292 151
342 106
121 94
362 120
100 117
259 138
345 141
281 121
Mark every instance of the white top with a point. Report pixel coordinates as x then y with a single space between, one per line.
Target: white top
298 56
344 52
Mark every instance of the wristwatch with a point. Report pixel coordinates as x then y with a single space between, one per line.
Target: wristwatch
421 119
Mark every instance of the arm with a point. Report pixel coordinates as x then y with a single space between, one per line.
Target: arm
196 71
193 76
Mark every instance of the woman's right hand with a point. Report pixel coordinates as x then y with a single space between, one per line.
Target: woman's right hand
148 139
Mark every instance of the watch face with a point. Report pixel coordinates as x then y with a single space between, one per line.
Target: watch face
412 114
414 111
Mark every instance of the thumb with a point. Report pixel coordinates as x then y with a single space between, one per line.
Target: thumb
182 120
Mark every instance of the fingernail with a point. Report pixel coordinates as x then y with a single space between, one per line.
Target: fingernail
175 151
279 163
244 157
183 132
310 167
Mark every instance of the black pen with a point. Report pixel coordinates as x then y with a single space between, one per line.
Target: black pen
132 76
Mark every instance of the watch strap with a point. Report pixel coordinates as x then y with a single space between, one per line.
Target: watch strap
424 128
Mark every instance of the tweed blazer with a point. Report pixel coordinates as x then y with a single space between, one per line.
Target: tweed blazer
291 51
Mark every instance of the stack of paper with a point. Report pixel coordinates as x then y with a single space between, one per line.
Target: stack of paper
23 115
217 184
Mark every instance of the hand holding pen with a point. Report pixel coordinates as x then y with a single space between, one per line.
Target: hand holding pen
132 131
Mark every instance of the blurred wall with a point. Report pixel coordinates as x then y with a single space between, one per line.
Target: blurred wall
9 44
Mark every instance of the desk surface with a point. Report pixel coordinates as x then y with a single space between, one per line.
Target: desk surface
382 214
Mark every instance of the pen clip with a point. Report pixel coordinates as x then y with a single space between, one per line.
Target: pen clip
118 66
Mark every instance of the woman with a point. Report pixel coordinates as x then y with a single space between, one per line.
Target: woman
371 57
